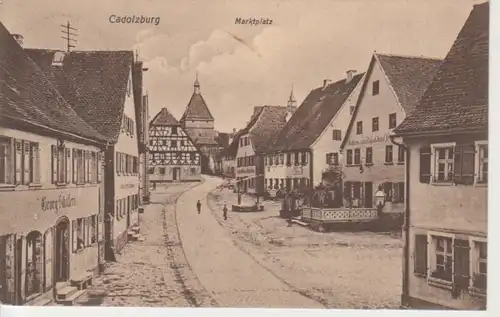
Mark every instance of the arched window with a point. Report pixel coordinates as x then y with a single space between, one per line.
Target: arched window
34 267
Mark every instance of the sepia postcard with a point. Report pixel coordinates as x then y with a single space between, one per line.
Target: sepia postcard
244 154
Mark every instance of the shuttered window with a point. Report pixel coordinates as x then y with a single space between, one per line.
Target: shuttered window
35 163
6 160
19 162
74 227
461 263
26 163
420 255
464 164
425 164
67 163
54 164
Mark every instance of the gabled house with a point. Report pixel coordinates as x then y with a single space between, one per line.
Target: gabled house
198 122
253 140
390 91
172 154
310 140
446 141
105 89
51 206
227 157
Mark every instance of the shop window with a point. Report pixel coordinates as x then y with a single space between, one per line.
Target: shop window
388 154
34 263
375 124
369 155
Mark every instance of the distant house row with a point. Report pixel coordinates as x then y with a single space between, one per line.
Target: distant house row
72 166
413 128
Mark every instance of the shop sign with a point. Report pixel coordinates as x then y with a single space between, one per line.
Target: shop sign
369 140
63 201
127 186
297 170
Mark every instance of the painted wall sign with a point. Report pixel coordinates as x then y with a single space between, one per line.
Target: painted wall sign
246 170
64 201
369 140
127 186
297 170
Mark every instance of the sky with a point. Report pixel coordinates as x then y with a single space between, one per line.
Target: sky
307 42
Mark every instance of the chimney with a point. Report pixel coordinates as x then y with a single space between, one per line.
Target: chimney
19 39
326 82
349 75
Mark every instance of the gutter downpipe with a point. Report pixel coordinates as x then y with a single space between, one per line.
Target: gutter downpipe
406 227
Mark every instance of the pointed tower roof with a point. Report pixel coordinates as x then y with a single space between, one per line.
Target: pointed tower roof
292 97
164 117
197 109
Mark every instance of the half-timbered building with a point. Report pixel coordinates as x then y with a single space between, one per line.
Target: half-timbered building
173 155
51 184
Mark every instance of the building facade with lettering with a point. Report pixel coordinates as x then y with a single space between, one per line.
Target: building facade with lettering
446 233
198 122
51 193
253 140
390 91
173 156
105 89
305 147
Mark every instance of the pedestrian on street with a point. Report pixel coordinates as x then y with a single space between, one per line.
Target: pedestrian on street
224 212
198 206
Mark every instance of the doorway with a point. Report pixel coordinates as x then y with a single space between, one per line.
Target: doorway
62 251
176 173
368 195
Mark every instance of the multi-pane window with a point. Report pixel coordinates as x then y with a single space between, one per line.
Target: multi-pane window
375 124
480 273
357 156
349 157
19 162
443 264
6 161
392 121
388 154
128 164
359 127
401 154
369 155
375 87
337 135
443 169
483 164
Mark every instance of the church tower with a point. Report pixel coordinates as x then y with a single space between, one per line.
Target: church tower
291 105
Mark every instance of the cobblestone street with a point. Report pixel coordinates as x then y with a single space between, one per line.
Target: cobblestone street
152 272
338 269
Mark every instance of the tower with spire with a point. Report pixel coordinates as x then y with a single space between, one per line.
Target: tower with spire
291 105
198 122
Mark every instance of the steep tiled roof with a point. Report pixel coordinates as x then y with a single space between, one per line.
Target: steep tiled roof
164 117
269 121
27 95
197 109
408 76
94 83
312 117
232 149
457 99
202 140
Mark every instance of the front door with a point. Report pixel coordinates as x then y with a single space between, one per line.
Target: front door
176 171
368 195
62 251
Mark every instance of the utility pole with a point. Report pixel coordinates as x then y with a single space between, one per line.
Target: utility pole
68 35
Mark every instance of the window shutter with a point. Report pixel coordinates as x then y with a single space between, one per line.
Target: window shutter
74 167
18 162
67 162
461 262
420 255
10 269
74 227
99 166
48 239
54 164
464 163
396 192
425 164
35 152
100 227
23 270
26 162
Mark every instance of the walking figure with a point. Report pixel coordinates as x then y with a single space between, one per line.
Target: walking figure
224 212
198 206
